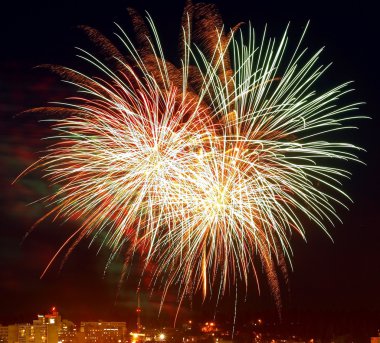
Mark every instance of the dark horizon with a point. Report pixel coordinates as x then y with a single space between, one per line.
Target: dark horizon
332 283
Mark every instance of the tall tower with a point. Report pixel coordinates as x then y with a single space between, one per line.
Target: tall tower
138 311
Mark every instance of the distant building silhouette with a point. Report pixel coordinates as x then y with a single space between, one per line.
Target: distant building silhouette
102 332
48 328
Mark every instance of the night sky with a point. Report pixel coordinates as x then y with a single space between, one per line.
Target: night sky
334 284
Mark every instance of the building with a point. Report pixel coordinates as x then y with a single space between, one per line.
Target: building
21 333
67 332
48 328
3 334
102 332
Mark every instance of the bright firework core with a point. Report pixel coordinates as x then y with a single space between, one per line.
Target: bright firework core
204 168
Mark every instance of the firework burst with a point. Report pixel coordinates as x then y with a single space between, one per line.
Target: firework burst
205 168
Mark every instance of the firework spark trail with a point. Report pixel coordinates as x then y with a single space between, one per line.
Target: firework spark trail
204 169
252 176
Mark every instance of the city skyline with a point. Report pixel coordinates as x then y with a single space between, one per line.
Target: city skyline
52 327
